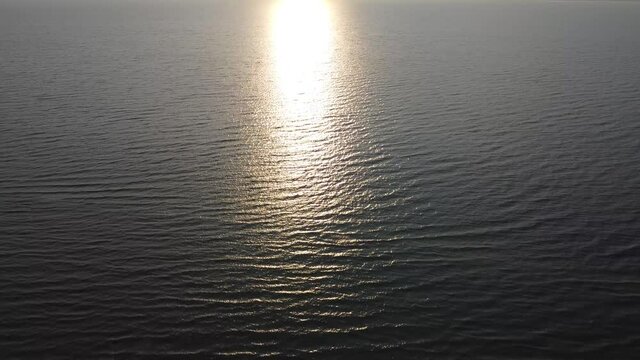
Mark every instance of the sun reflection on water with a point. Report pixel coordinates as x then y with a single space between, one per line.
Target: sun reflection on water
304 182
302 55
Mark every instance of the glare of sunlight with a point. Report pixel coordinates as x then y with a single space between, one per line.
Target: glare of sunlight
302 55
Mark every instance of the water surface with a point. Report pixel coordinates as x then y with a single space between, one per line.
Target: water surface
319 179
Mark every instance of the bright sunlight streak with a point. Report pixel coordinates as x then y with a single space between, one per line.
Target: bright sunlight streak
303 64
302 46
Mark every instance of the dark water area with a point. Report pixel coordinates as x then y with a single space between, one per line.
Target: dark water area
326 180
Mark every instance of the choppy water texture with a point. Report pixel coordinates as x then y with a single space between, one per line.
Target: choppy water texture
319 179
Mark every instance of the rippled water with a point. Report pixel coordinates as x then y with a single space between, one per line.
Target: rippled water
319 179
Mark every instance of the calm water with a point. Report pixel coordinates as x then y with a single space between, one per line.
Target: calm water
319 179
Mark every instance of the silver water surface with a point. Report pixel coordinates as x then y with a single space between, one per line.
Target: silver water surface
319 178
